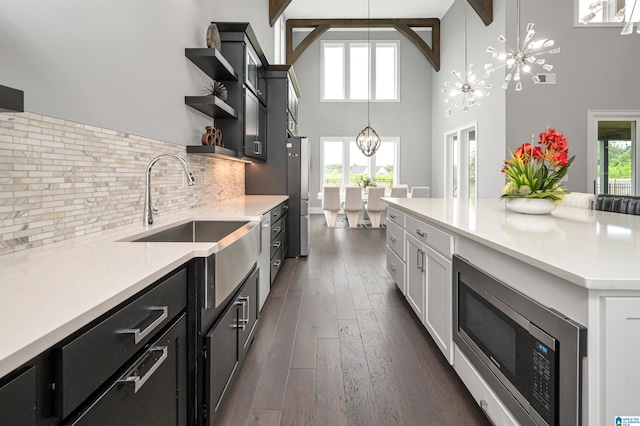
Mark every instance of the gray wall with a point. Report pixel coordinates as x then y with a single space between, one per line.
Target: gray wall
490 116
597 68
409 119
116 64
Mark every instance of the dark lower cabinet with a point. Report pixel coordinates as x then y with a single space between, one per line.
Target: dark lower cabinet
18 399
152 390
227 344
128 367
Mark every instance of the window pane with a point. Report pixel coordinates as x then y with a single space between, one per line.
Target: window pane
385 164
332 173
616 143
607 13
333 71
358 72
359 163
472 164
386 72
455 147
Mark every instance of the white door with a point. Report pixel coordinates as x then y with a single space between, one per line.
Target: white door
416 276
439 305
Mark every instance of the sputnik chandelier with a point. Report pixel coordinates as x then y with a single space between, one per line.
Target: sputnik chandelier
521 60
599 5
368 140
467 89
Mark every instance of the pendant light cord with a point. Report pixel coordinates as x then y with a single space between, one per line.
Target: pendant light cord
466 67
368 62
518 25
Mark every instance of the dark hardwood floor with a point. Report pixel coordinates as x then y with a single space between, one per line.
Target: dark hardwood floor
338 345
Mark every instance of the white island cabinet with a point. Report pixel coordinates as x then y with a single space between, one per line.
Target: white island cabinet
580 263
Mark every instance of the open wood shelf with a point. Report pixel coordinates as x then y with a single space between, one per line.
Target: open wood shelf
212 63
212 106
216 152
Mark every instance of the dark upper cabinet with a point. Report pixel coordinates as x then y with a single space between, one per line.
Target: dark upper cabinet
255 127
11 100
293 94
270 177
249 132
255 74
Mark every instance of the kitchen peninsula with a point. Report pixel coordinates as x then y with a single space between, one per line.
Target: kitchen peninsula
80 303
577 262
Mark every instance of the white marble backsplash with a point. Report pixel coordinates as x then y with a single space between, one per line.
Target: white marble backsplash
60 179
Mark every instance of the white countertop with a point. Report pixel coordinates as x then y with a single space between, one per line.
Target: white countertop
593 249
47 293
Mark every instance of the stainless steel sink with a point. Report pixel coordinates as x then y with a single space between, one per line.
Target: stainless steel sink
196 231
238 251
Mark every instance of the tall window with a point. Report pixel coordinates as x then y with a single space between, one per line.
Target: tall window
461 153
613 152
350 71
343 163
606 16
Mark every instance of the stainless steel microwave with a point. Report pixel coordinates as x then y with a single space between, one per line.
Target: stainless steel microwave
530 355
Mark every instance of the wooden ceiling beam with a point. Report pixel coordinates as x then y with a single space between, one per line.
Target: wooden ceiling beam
276 8
404 26
484 9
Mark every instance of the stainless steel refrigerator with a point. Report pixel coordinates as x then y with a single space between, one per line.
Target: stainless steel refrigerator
286 172
298 190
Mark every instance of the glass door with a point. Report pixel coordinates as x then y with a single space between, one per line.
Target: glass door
613 153
461 149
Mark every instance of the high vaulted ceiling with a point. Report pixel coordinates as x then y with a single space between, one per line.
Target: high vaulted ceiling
353 9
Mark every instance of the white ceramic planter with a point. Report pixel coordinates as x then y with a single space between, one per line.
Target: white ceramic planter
531 205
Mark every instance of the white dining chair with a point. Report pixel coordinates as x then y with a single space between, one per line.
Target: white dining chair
582 200
375 205
420 192
353 205
331 204
399 191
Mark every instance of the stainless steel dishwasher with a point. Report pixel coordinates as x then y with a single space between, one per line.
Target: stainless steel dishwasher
264 260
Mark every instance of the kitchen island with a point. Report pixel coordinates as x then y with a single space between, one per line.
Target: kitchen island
581 263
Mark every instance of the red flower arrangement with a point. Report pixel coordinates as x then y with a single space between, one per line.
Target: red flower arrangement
536 171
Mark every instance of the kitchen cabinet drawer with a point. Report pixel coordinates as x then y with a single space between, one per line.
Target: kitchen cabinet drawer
276 228
481 392
396 239
396 268
151 391
276 244
18 399
276 263
276 213
395 216
284 208
86 362
430 235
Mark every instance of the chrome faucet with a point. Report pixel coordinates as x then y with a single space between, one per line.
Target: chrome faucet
148 210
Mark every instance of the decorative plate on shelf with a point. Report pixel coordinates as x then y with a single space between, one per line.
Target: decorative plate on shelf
213 38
